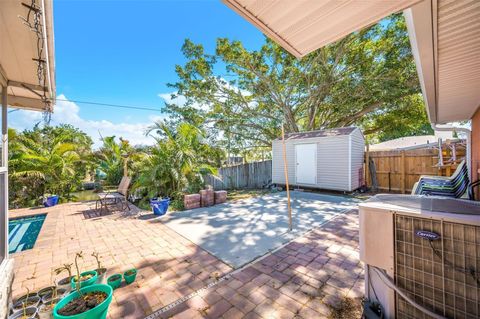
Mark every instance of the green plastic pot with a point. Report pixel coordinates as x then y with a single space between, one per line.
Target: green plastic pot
85 283
99 312
130 278
114 282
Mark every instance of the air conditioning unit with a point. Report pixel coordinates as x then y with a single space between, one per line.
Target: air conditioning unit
422 256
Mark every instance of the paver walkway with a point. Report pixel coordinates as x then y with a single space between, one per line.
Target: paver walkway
169 266
315 276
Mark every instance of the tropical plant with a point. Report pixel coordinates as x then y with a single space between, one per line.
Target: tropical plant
111 158
178 162
48 160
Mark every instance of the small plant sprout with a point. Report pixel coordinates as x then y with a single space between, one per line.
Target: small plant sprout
77 285
24 303
54 292
97 258
65 267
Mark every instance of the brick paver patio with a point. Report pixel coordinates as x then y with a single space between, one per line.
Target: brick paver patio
315 276
169 266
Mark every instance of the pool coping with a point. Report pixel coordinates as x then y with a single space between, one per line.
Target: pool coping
44 235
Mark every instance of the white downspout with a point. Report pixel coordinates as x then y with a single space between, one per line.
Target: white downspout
468 133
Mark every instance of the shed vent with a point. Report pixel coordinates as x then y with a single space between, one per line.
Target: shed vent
440 274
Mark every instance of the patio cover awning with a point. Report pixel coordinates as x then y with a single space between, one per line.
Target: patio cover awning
445 38
21 51
302 26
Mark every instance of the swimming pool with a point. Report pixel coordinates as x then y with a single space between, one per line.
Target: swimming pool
23 232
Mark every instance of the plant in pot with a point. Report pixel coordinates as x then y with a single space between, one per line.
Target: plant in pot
45 311
114 281
58 293
44 291
65 283
101 271
52 292
27 301
88 302
130 275
26 313
50 200
85 278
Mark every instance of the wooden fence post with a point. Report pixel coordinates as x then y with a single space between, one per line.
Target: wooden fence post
367 166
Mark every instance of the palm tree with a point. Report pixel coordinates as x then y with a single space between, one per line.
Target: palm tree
112 155
43 162
46 160
179 161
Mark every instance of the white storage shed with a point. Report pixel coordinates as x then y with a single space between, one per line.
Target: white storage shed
327 159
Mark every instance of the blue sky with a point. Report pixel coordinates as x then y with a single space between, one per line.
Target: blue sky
125 52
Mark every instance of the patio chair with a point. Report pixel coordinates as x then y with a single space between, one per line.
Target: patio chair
119 196
453 186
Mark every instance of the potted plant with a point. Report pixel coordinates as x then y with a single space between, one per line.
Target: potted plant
58 293
114 281
89 302
65 283
26 313
130 275
101 271
26 301
45 311
52 292
85 278
48 292
50 200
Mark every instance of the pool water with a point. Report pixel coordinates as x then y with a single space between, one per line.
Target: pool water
23 232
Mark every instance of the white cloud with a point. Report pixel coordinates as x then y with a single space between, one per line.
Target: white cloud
67 112
180 100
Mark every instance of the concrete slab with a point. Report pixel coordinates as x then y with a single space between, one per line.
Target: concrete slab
239 232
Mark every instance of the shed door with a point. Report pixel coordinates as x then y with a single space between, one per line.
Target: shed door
306 157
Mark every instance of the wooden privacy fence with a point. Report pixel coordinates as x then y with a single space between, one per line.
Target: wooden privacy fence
398 171
250 175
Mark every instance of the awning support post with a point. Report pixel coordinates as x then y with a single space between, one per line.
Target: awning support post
286 180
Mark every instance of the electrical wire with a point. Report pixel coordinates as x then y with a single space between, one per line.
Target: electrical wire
133 107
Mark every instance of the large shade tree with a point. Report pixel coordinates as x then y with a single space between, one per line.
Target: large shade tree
366 79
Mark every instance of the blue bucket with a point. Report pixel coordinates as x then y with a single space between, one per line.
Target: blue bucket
159 206
51 201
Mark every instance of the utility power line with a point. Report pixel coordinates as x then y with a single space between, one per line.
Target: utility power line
133 107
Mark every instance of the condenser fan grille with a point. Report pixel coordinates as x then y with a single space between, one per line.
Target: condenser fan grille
440 274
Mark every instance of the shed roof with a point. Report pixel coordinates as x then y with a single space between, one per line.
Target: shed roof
320 133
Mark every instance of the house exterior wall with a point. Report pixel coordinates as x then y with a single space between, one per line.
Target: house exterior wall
476 148
357 150
332 162
6 279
